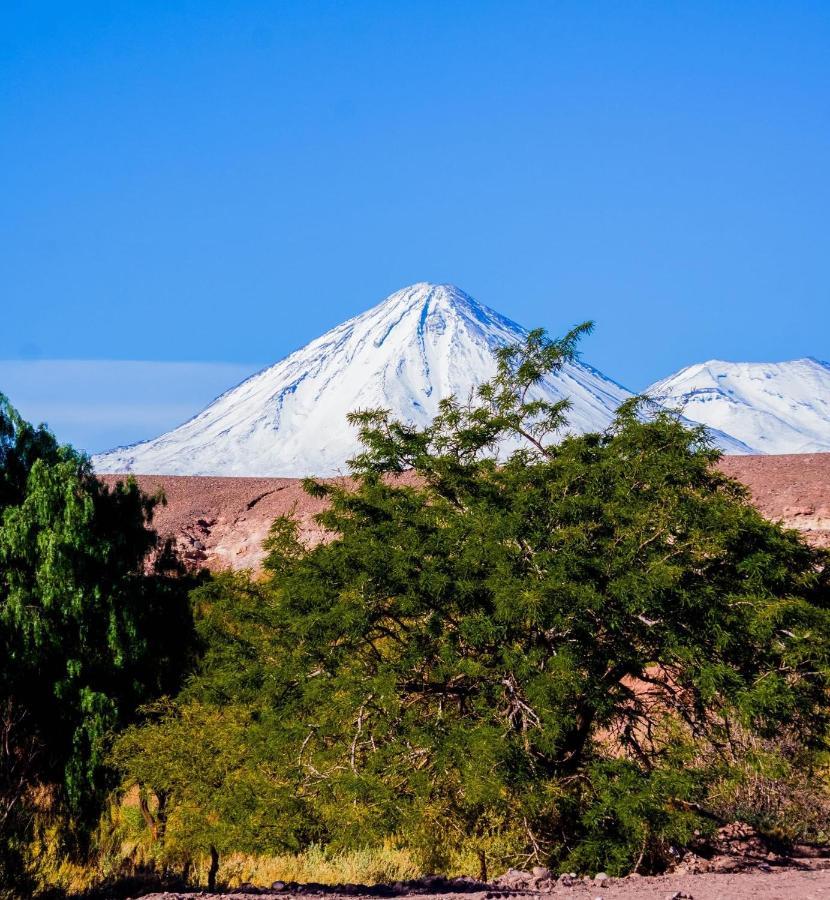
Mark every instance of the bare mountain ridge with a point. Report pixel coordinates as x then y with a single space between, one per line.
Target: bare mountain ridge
220 523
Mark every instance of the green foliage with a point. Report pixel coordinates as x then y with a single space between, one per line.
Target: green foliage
212 760
555 657
89 626
629 816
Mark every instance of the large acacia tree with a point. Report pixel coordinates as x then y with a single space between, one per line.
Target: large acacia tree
546 655
482 645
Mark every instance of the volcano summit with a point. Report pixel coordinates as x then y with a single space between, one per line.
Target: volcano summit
418 346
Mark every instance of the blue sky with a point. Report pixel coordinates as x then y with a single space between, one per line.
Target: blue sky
219 182
100 404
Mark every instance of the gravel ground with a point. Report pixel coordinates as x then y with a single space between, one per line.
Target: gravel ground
789 883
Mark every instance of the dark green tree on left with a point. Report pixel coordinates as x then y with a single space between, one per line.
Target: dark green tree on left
93 622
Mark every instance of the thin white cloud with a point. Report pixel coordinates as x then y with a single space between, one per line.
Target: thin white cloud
99 404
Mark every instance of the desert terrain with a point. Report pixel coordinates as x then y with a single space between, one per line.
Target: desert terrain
756 885
794 489
220 523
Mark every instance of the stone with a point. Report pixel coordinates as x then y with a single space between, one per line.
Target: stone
514 878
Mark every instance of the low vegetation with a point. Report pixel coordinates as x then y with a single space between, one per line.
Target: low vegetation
583 654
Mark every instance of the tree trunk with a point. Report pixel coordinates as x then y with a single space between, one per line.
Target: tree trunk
144 806
574 745
161 814
214 868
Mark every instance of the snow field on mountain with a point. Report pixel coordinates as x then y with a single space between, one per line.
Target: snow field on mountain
418 346
773 407
427 342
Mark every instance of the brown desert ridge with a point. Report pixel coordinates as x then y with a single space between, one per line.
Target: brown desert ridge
221 522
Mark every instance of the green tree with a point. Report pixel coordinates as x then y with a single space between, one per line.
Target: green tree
551 655
93 621
209 766
479 647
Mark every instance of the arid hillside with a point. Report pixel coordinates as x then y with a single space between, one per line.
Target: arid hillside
221 522
794 489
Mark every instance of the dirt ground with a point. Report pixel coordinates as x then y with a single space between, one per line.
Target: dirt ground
755 885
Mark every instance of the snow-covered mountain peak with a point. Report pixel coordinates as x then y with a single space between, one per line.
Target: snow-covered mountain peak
426 295
720 368
781 407
418 346
425 307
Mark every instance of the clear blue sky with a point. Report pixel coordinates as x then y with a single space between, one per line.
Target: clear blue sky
222 181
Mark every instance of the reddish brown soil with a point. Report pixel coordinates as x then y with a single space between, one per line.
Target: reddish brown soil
221 522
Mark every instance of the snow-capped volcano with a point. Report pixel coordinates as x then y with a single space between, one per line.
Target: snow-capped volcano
418 346
773 407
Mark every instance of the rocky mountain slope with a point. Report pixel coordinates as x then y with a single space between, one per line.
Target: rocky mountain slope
772 407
